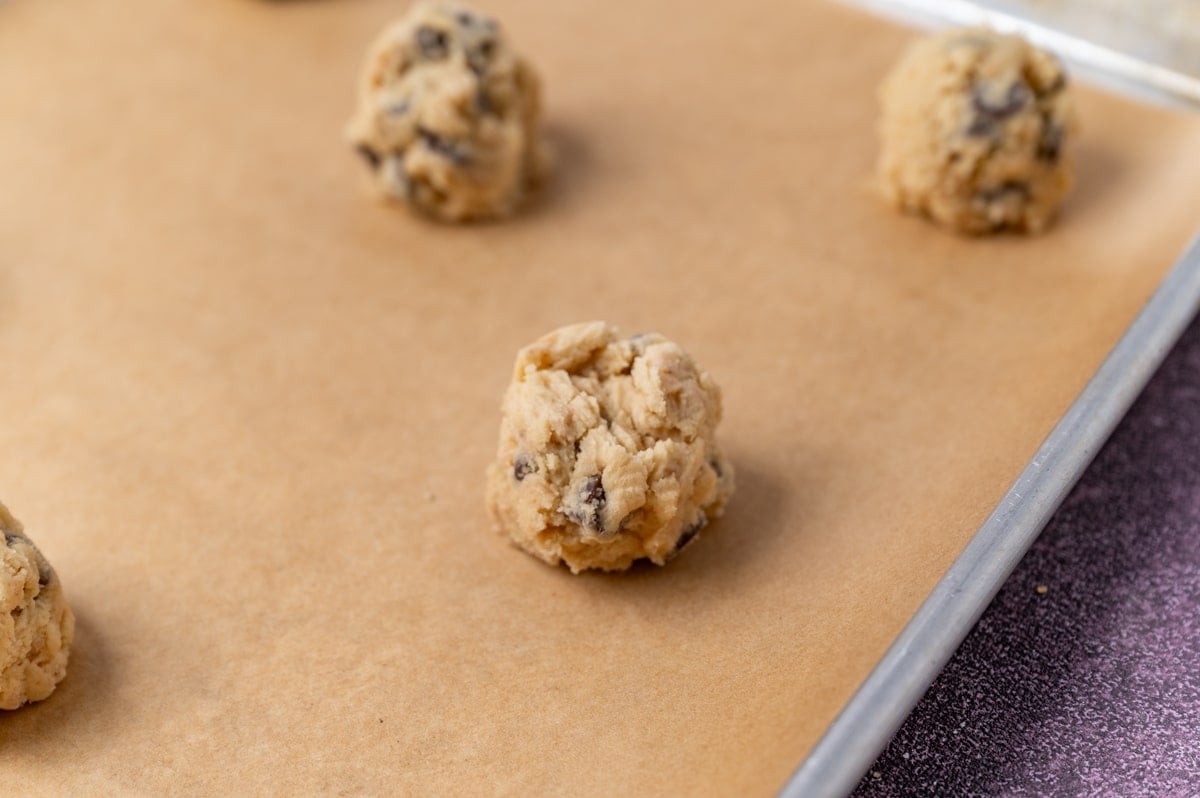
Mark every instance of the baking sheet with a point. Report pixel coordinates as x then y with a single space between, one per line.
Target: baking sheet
247 411
867 722
1147 49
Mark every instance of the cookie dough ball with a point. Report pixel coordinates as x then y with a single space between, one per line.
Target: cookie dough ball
36 625
975 132
608 450
447 115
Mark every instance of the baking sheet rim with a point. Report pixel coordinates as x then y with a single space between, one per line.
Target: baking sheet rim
877 709
1101 65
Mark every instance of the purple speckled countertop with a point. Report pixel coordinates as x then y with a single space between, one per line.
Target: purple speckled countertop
1083 676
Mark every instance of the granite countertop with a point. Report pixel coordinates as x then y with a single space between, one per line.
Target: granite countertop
1083 676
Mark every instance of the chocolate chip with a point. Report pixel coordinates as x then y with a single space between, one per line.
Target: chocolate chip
369 155
480 57
716 467
1006 189
690 533
432 42
592 491
45 576
981 127
989 113
1013 100
523 466
1049 146
443 147
591 500
12 537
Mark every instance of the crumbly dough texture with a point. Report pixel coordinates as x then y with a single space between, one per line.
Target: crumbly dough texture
447 115
608 450
975 132
36 625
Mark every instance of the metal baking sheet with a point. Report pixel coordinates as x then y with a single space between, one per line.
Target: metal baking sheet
877 709
1149 51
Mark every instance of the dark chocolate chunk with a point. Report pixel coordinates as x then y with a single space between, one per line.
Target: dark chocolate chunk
990 112
441 146
45 575
591 500
432 42
1049 146
369 155
523 466
1014 100
1006 189
981 127
591 492
716 467
480 57
690 533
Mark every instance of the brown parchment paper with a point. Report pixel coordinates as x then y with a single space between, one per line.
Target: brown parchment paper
246 411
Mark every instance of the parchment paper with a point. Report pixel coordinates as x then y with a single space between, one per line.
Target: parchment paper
246 411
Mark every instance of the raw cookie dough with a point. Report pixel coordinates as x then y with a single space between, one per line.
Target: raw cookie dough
36 625
608 450
975 131
447 115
